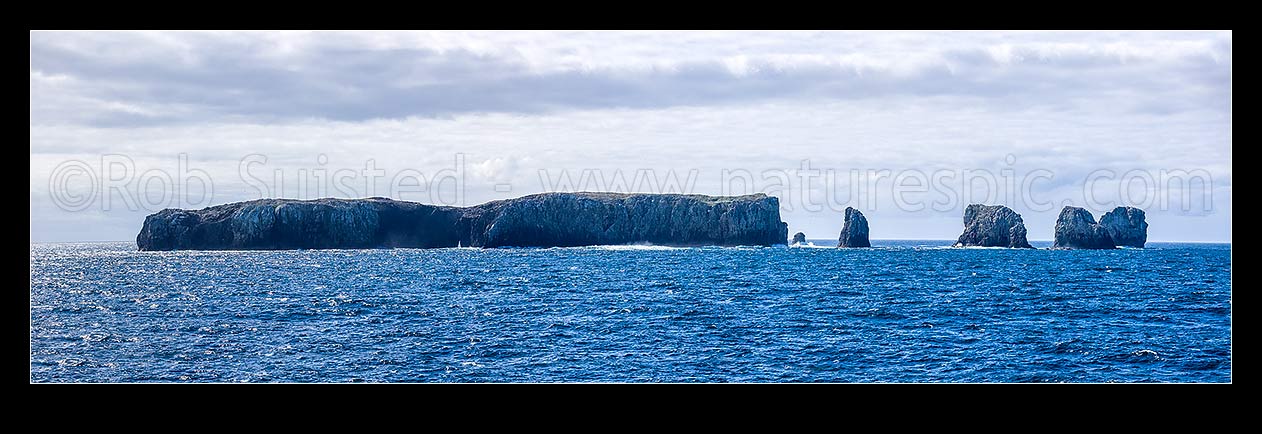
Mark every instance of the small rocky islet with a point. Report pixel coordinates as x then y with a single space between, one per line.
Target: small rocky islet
575 219
1077 229
992 226
798 238
854 231
1126 225
1123 226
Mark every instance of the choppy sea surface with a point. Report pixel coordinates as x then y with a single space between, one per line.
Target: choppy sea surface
904 311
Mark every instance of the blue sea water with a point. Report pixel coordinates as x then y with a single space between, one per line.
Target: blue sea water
905 311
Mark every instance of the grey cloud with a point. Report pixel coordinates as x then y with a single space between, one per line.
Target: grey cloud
221 79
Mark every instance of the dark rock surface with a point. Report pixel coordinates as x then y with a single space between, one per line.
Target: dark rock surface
854 232
992 226
541 220
1126 226
798 238
1077 229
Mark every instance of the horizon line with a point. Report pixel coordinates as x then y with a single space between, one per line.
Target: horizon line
808 239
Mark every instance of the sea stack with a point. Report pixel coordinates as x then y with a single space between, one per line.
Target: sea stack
1126 226
854 232
1077 229
798 238
992 226
540 220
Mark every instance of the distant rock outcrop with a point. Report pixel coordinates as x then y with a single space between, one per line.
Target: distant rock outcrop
1077 229
798 238
992 226
854 232
541 220
1126 226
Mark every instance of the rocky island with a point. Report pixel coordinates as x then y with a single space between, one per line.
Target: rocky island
854 232
1077 229
992 226
798 238
540 220
1126 226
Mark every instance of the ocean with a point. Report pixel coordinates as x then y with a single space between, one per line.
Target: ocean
903 311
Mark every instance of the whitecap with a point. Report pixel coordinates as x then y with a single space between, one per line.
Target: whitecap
809 245
636 247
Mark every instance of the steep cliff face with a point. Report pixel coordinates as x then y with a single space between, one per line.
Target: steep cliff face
294 224
1077 229
1126 226
992 226
544 220
854 232
581 219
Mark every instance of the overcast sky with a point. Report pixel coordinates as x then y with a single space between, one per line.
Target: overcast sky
508 111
